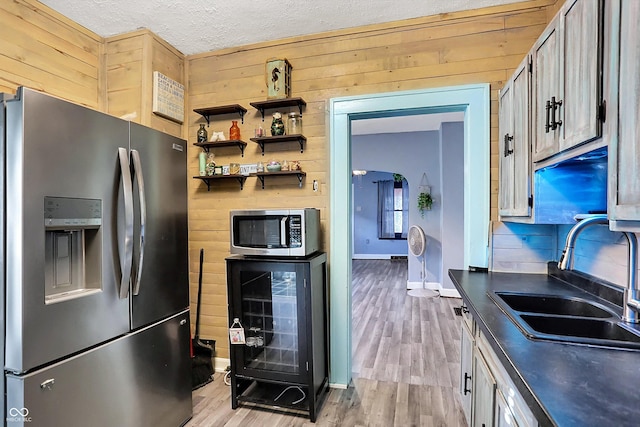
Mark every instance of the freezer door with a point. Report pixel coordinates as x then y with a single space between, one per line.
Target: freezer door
142 379
61 154
161 286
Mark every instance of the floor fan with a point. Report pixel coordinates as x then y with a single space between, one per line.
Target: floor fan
417 246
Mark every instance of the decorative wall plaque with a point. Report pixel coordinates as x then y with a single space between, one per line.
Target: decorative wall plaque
278 78
168 98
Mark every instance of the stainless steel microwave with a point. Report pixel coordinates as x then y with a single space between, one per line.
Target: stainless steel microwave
280 232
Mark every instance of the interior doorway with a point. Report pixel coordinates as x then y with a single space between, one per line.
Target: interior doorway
473 100
426 155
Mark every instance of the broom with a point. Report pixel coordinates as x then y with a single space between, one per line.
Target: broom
201 364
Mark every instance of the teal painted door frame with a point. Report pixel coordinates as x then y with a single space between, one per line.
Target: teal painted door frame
474 100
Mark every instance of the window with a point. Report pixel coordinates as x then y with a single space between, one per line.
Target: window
393 208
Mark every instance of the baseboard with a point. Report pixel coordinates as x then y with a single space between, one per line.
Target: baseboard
339 386
428 285
220 364
444 292
449 293
371 256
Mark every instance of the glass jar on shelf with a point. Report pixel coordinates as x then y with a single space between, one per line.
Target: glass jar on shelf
294 123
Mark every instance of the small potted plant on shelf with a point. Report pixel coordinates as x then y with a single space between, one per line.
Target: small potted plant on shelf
425 201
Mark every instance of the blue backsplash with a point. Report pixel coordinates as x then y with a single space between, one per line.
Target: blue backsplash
575 186
527 248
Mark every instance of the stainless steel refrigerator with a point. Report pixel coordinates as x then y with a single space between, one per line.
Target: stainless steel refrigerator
95 268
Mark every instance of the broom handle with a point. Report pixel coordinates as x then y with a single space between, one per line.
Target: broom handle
199 295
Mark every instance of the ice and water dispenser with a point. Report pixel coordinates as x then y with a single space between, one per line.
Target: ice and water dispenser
73 248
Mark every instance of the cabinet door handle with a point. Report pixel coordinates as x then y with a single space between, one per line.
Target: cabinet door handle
547 108
465 389
505 144
506 149
554 106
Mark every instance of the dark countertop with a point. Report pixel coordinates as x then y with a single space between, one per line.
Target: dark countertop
563 384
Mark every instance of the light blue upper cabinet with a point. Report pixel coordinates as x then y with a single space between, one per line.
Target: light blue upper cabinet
515 144
567 80
622 128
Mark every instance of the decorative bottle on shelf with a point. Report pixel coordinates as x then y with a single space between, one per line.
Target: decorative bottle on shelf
202 158
234 131
277 125
211 164
202 133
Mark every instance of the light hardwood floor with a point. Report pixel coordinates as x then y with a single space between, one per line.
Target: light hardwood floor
406 356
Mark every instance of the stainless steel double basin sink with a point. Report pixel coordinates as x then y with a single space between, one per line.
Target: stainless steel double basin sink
566 318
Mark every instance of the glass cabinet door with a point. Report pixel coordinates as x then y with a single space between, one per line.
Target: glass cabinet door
270 320
269 301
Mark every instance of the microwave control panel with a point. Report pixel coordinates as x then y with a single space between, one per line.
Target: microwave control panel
295 231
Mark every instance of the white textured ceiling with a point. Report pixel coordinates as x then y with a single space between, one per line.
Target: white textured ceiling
195 26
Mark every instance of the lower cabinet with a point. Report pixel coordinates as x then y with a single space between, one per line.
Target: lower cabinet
466 369
484 392
489 397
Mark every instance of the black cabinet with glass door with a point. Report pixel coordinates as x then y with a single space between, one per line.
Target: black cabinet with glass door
280 306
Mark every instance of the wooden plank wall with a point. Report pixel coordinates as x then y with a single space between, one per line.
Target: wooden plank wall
130 60
476 46
46 51
522 248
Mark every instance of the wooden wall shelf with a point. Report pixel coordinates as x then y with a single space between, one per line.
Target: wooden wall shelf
222 109
207 179
278 103
230 143
299 174
261 141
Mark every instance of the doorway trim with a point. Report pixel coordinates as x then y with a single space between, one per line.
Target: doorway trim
474 100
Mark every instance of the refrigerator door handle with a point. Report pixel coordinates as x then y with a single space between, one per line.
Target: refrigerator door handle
137 170
125 267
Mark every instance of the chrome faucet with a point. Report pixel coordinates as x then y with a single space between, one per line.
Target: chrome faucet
631 304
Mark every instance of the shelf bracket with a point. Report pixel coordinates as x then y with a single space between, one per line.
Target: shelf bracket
300 176
261 178
241 147
206 117
300 140
206 181
241 180
241 116
261 144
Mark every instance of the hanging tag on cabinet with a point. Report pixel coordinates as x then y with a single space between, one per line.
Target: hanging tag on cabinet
236 332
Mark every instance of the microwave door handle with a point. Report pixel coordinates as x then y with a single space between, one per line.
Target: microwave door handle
283 231
137 170
125 267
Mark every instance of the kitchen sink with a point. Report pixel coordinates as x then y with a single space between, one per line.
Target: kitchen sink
553 304
566 318
582 330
